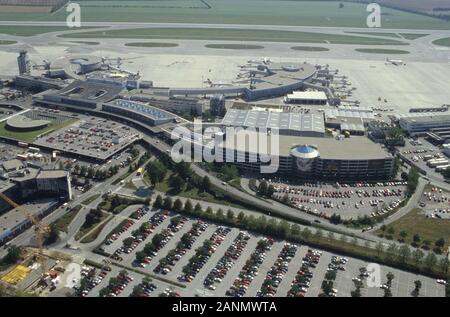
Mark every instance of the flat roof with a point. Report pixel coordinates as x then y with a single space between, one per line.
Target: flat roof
427 119
12 164
353 148
308 95
274 119
52 174
14 217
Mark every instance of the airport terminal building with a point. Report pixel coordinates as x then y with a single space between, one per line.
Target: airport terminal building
325 158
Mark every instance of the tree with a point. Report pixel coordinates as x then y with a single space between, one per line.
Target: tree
220 214
177 183
440 243
341 5
417 255
128 241
335 219
52 235
209 211
417 287
13 255
188 207
444 264
295 230
390 277
306 233
387 292
403 235
230 215
262 188
430 260
270 191
167 204
156 171
198 208
404 253
413 180
206 184
416 239
241 216
379 248
158 202
178 205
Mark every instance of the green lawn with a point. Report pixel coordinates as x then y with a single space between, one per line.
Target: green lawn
443 42
310 48
30 30
85 42
234 46
94 234
236 35
413 36
5 42
256 12
380 51
64 222
86 228
30 136
90 199
428 228
130 185
151 44
382 34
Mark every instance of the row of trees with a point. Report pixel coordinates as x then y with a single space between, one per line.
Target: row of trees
417 240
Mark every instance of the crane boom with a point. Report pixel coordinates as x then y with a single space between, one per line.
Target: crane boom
39 228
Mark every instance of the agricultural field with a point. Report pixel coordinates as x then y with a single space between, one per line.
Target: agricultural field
236 35
252 12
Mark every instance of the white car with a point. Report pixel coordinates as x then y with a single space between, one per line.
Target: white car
443 282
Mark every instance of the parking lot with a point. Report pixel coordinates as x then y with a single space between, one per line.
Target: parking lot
435 202
212 260
90 136
347 200
419 152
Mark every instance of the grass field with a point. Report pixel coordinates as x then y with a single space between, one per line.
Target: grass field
90 199
234 46
428 228
94 233
30 30
443 42
236 35
377 34
262 12
310 49
413 36
30 136
63 223
381 51
5 42
85 42
151 44
87 228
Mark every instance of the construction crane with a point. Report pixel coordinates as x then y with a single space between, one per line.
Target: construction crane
39 228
